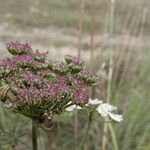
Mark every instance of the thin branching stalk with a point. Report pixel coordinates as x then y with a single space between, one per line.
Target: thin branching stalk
92 32
87 130
75 130
110 72
113 136
81 15
34 136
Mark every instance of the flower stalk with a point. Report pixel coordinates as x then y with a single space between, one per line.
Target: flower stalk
34 136
82 145
110 73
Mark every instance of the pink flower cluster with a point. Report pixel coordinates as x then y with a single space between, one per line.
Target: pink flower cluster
42 86
7 63
74 60
18 48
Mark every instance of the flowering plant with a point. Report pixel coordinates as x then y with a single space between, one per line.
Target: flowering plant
37 88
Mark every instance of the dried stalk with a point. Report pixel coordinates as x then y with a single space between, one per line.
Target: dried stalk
81 15
92 32
110 73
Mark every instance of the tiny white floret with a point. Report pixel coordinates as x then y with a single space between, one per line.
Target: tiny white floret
73 107
116 117
94 102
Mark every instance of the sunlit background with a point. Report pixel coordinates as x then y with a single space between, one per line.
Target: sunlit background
112 36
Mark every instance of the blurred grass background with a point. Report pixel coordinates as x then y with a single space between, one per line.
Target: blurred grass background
123 33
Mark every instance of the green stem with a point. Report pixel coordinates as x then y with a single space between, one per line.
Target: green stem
113 135
87 130
34 136
110 74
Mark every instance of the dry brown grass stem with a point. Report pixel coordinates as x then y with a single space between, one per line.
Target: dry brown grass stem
81 16
92 32
110 72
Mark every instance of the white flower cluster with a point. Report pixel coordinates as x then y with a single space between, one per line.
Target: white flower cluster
104 109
